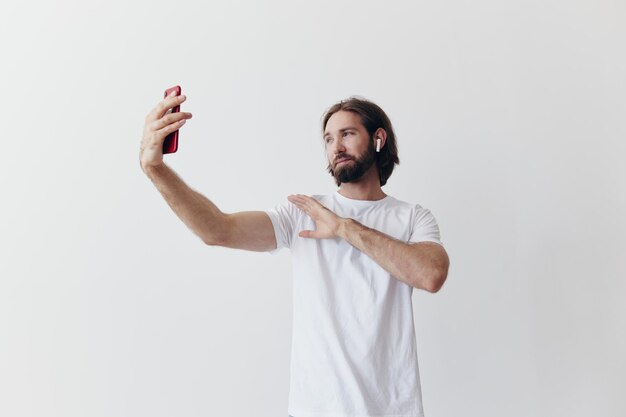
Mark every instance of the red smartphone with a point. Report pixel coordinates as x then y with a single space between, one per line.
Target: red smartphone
170 145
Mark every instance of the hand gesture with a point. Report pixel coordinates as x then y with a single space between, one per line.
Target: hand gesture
327 223
158 124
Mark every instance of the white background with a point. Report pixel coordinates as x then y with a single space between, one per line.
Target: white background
510 118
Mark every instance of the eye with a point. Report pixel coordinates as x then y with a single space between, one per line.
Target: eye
328 139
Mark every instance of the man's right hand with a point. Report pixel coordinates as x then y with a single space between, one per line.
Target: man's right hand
249 230
158 124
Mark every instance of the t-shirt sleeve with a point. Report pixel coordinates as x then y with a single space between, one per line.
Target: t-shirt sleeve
283 217
424 227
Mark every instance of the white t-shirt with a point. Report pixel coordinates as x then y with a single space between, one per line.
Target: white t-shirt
353 348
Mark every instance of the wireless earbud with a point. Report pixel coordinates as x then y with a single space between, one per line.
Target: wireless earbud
378 141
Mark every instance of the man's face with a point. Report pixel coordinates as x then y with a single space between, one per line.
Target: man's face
349 148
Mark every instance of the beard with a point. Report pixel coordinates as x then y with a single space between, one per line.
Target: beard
352 171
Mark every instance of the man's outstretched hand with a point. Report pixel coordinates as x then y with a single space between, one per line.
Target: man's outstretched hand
327 223
158 124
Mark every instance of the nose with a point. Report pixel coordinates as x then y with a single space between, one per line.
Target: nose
337 147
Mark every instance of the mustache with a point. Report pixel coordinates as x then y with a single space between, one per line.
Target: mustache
343 156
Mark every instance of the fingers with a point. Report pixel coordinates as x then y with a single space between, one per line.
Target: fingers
302 197
159 123
326 222
308 233
169 119
166 104
161 134
304 202
156 132
300 203
295 199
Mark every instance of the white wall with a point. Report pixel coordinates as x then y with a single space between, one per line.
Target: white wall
511 128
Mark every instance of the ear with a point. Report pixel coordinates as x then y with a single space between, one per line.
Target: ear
382 135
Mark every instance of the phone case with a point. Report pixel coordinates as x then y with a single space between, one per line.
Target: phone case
170 145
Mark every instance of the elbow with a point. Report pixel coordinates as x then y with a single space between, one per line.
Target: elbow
436 280
217 234
435 285
214 240
210 241
438 275
430 267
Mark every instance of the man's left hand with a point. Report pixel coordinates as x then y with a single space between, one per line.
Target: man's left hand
327 223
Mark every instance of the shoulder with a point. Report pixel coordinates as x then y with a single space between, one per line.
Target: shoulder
401 203
322 198
414 213
397 204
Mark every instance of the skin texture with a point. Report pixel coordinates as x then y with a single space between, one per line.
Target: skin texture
422 265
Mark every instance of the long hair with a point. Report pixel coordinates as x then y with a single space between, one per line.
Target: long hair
372 117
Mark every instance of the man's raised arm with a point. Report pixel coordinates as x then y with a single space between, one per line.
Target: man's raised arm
250 230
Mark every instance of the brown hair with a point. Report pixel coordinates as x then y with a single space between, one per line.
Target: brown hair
372 117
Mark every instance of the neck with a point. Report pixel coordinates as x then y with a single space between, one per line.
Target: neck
366 188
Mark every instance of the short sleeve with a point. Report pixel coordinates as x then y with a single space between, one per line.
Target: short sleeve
283 217
424 227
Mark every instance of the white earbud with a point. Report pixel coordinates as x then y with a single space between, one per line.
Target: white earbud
378 141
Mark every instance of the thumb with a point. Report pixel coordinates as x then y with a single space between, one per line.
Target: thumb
307 233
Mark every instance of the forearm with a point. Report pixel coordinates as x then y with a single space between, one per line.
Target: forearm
418 266
198 213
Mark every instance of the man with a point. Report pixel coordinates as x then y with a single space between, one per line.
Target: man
357 255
